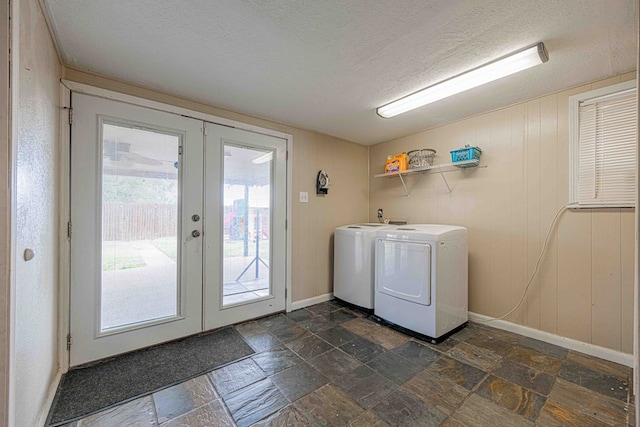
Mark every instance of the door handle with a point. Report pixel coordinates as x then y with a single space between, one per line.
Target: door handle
195 233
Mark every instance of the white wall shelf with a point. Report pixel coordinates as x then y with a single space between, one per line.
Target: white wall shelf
440 168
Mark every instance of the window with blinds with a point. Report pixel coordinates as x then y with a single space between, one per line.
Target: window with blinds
604 145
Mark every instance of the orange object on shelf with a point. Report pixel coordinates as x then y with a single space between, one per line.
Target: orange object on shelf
396 163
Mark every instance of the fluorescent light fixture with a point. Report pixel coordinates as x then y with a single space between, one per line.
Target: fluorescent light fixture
262 159
510 64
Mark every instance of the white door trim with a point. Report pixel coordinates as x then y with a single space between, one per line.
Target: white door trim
64 248
67 87
168 108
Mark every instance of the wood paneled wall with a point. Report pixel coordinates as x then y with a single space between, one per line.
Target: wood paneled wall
584 289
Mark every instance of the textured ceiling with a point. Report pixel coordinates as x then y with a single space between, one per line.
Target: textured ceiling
326 65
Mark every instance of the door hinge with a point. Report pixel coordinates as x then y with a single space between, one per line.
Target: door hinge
69 230
180 150
70 116
286 156
69 342
286 224
285 293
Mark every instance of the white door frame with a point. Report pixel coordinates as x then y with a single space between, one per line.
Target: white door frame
65 90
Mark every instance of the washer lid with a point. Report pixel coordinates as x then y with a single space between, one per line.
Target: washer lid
424 232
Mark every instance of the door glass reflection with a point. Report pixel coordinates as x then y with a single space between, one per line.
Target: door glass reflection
140 205
247 219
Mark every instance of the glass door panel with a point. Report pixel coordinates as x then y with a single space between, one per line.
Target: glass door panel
140 216
247 223
245 213
136 249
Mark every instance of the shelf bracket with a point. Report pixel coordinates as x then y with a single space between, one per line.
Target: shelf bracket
406 192
444 179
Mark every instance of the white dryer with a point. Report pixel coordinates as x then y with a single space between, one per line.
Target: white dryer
353 269
421 278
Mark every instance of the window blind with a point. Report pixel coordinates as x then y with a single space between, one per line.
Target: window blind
607 150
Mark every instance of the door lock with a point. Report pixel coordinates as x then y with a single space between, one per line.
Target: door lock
195 217
195 233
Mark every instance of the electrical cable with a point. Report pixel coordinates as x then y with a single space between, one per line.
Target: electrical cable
535 270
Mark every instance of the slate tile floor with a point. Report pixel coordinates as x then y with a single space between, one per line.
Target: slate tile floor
328 365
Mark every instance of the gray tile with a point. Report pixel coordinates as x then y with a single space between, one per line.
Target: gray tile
555 414
339 316
309 346
442 346
490 343
535 359
138 412
481 412
362 349
177 400
500 334
325 307
460 373
255 402
317 324
300 315
403 409
437 392
597 381
479 357
327 406
273 322
289 416
334 363
236 375
375 332
529 378
600 365
605 409
276 360
263 341
337 336
513 397
544 348
289 332
249 328
417 353
298 381
212 414
469 330
368 419
365 386
394 367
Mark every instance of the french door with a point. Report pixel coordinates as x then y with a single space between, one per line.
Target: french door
177 227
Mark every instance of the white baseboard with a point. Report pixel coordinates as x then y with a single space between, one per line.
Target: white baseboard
295 305
51 394
568 343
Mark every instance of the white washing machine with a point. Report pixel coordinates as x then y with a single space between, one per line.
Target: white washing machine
353 269
421 278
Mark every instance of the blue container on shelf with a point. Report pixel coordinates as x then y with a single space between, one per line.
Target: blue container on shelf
464 154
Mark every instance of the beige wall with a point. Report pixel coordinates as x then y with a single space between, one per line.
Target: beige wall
584 289
36 222
313 223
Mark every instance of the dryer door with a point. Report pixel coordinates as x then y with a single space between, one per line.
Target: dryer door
403 270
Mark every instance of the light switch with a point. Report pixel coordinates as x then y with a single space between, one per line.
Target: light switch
304 197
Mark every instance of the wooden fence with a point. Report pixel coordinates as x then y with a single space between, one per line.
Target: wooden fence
138 221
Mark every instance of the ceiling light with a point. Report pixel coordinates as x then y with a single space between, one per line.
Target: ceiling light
517 61
262 159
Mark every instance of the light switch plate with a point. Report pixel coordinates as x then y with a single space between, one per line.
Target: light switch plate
304 197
